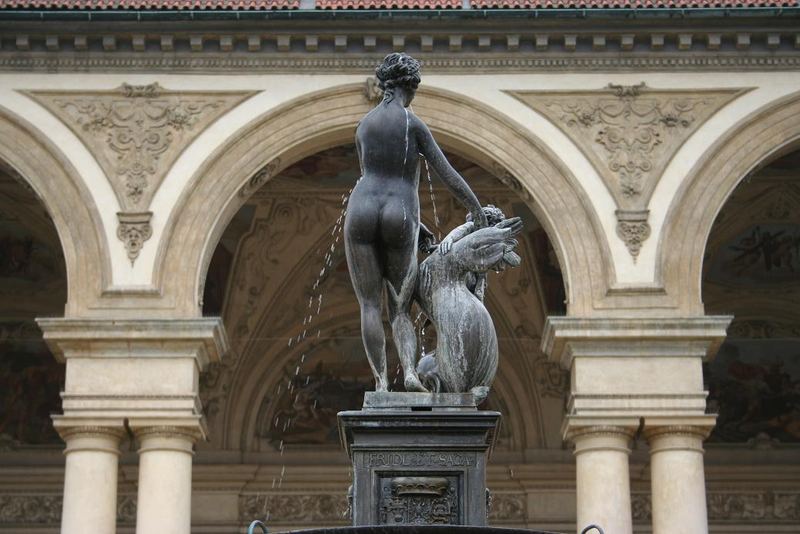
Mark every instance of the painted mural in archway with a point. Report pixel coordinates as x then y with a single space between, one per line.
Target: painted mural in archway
32 284
752 270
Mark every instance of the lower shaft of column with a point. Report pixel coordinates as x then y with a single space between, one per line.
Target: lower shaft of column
603 480
678 482
164 504
90 481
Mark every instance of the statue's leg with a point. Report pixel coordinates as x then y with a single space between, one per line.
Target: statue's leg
365 274
401 278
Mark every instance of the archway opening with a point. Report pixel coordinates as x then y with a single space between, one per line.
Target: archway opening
752 270
292 368
33 283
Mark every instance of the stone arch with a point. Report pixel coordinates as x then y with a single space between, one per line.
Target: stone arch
69 204
321 120
756 140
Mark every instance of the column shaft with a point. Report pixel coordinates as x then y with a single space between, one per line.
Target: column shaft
678 481
603 479
165 481
90 480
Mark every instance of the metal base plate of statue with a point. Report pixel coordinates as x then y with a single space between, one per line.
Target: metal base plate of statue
419 458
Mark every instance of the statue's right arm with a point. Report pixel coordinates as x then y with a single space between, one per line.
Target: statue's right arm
358 151
454 181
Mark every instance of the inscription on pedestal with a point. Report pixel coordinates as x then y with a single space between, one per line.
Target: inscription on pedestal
417 459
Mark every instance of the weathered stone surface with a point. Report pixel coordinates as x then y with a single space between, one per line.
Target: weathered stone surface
421 464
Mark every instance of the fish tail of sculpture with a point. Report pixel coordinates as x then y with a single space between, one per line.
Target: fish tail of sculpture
485 367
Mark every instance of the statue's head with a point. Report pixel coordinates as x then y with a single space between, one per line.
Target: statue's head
398 70
493 214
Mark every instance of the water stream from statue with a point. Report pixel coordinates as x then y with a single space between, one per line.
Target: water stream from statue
313 311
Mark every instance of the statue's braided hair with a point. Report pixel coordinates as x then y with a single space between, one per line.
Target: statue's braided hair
397 70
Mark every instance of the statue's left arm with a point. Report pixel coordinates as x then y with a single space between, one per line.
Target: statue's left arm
454 181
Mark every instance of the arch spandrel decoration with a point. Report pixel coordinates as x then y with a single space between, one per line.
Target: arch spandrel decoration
69 203
630 133
760 137
322 120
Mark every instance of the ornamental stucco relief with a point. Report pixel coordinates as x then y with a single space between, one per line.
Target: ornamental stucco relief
630 134
136 132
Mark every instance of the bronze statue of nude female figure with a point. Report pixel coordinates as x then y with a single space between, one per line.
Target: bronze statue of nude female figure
382 223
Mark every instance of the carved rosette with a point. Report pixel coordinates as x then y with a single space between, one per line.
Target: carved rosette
133 230
630 134
633 229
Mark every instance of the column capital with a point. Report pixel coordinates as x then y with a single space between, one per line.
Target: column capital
565 338
183 432
678 436
600 435
68 427
201 338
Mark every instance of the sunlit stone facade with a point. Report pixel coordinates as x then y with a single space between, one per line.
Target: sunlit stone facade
171 264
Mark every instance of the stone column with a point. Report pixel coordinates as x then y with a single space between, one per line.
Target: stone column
90 478
624 370
602 477
678 481
146 371
164 502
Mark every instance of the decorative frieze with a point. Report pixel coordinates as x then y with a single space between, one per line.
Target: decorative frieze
630 134
508 508
294 507
467 62
46 509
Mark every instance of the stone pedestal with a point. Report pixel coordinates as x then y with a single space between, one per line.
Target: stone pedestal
418 458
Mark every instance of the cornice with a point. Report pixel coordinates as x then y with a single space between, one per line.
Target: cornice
443 46
359 65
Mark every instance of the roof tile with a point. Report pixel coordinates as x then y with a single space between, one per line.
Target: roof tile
389 4
261 5
630 4
266 5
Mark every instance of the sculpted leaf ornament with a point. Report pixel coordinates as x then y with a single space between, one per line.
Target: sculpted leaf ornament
136 133
630 133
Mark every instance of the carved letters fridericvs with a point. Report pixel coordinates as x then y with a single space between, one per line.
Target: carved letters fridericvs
630 134
136 132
